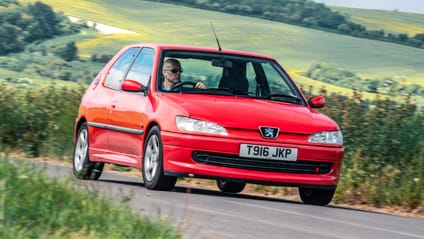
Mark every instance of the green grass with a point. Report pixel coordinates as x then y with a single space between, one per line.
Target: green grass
34 206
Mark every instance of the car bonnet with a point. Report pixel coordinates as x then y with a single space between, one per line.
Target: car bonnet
250 113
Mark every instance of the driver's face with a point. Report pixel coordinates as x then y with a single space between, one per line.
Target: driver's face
172 72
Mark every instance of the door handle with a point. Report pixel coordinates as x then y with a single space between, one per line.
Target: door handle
113 105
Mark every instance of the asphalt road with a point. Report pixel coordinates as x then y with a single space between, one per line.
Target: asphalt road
210 214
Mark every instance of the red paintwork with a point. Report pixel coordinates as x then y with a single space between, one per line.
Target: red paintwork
131 85
241 117
317 101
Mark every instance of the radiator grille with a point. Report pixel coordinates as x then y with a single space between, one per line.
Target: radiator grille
266 165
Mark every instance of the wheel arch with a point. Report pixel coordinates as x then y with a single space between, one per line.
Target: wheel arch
81 121
148 128
150 125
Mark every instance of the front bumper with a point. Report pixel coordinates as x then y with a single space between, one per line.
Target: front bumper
217 157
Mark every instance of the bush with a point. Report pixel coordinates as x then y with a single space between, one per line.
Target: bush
103 58
39 121
384 153
69 52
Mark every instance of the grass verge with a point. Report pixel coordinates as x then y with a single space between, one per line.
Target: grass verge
34 206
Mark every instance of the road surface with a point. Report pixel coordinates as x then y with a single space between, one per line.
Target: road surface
209 214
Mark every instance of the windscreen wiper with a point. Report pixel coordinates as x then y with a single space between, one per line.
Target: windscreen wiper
291 97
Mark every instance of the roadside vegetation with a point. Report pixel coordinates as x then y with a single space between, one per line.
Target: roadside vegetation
384 150
35 206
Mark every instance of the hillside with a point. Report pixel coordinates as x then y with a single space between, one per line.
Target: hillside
390 21
296 47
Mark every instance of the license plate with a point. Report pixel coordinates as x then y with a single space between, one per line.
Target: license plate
268 152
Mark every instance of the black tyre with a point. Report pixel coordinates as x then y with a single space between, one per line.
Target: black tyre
153 175
81 165
320 197
229 187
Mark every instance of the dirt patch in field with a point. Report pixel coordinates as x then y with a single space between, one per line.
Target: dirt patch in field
103 28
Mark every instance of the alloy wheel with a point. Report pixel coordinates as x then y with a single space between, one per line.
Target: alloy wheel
152 158
81 150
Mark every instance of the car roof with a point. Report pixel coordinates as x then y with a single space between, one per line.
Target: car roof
162 46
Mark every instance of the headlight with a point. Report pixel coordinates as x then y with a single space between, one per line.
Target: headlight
199 126
328 137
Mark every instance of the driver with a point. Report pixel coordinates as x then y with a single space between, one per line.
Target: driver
171 74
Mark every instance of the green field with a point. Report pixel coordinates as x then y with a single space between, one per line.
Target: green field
391 21
295 47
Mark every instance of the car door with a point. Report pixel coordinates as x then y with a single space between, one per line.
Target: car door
129 113
101 102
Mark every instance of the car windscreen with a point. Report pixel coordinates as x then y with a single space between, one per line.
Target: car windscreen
225 74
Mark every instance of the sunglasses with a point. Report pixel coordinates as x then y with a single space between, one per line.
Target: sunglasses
176 70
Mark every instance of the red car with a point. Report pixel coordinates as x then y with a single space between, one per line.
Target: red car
233 116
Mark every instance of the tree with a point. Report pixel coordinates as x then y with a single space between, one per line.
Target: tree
403 37
331 20
419 36
9 39
344 27
11 16
45 19
69 52
6 3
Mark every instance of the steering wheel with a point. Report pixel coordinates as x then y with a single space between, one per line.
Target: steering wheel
184 83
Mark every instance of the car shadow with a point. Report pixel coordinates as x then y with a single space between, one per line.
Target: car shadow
217 193
184 189
202 191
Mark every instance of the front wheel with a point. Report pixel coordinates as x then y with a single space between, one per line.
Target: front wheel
153 175
229 187
320 197
82 167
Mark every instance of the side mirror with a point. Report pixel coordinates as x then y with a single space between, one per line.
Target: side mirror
317 101
133 86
